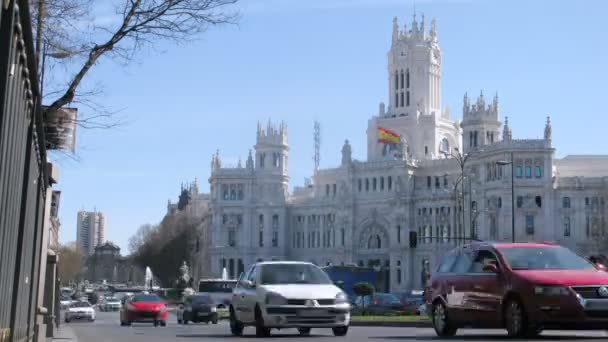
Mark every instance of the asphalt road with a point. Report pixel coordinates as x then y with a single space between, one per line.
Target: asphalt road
106 328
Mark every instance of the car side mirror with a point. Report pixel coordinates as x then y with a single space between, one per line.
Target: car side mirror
491 268
601 267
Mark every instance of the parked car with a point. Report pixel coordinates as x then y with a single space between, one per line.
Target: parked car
143 308
522 287
199 308
283 294
380 304
80 310
65 303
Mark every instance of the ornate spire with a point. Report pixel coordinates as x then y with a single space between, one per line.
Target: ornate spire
506 131
346 153
466 106
395 30
495 104
249 163
433 29
548 129
414 24
239 165
422 26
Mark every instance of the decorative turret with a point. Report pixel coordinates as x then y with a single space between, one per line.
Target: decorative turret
216 162
548 129
249 162
480 122
271 148
412 92
395 30
346 153
506 132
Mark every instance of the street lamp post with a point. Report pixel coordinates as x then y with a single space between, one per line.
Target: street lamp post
512 162
462 160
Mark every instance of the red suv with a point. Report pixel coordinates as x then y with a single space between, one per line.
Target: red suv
522 287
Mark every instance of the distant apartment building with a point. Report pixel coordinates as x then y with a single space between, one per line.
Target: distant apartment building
91 231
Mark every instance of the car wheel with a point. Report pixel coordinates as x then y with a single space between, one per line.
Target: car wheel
156 323
236 327
340 331
515 319
163 323
214 319
260 329
67 320
304 331
179 321
185 321
441 323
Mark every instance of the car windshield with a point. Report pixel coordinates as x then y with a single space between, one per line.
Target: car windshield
145 298
544 258
80 305
293 274
201 300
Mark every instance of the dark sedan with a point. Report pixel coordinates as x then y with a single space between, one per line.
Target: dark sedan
199 308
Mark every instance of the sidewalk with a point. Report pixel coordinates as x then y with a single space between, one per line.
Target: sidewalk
64 333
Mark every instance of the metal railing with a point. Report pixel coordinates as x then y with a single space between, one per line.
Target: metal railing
23 175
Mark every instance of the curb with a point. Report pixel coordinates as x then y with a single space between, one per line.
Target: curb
414 324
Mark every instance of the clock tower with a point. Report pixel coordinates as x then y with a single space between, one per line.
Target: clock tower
414 70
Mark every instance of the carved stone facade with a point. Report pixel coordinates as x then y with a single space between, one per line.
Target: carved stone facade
407 204
107 264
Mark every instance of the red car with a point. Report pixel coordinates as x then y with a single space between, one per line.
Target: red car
521 287
144 308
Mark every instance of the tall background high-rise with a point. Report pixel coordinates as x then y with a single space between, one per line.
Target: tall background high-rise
91 231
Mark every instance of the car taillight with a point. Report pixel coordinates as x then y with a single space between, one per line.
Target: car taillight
375 302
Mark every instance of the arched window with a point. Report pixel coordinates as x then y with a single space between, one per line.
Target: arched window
407 98
390 182
396 81
566 202
381 183
261 230
402 83
407 80
366 184
402 100
566 226
397 100
374 184
444 146
374 242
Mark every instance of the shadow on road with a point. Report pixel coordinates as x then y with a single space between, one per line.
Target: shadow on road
487 338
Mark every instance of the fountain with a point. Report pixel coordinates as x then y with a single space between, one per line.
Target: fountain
149 277
224 274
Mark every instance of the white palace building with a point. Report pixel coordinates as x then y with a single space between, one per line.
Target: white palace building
405 205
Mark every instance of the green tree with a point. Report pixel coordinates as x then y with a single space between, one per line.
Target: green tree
70 263
363 289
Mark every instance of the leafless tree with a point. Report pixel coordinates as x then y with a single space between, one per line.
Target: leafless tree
70 262
68 25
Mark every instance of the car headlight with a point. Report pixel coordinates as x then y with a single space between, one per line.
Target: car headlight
273 298
213 308
551 290
341 298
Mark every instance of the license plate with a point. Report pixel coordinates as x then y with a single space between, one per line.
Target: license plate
312 313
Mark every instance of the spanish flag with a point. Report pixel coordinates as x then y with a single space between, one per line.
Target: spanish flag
387 136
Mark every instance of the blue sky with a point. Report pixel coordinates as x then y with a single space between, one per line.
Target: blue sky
298 61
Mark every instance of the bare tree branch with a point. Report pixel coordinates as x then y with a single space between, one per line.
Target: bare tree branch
143 22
